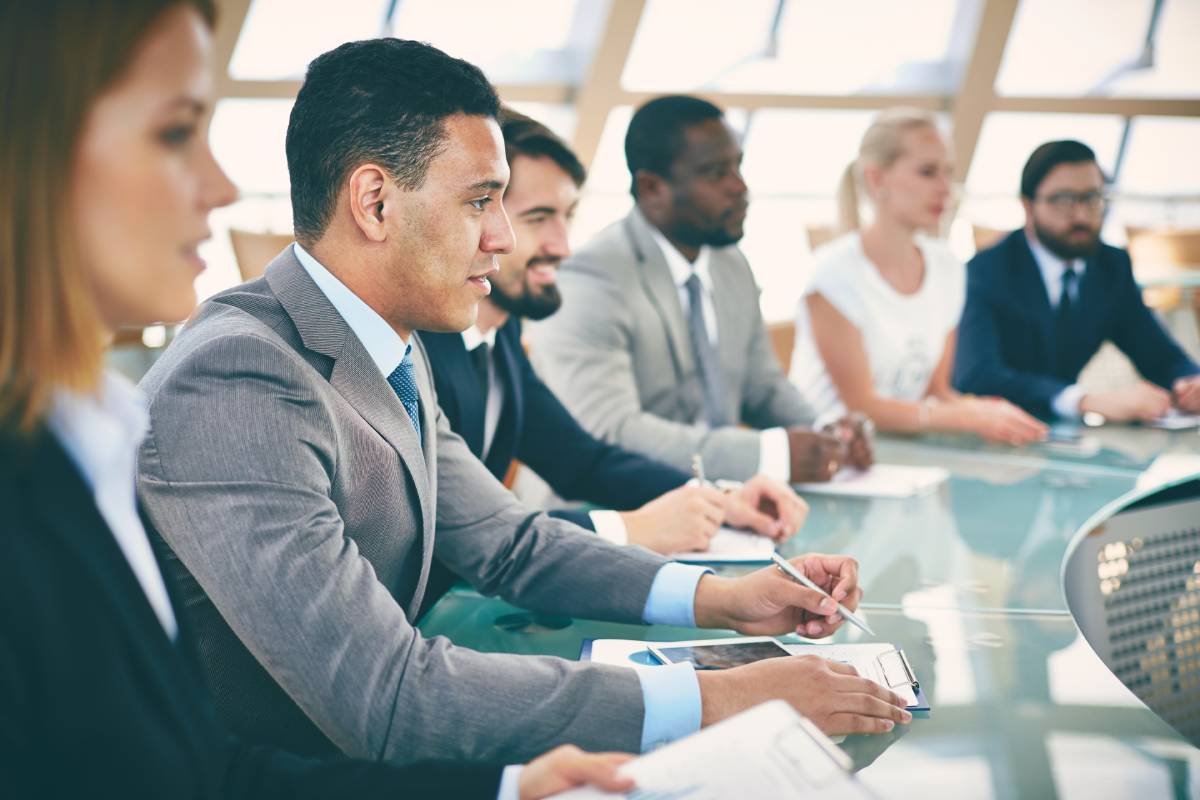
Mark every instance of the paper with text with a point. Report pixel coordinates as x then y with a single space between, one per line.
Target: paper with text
765 751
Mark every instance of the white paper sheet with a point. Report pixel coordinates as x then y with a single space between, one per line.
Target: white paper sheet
881 480
731 545
1175 420
765 751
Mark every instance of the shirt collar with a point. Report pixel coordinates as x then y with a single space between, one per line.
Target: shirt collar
680 268
382 343
472 338
101 430
1051 266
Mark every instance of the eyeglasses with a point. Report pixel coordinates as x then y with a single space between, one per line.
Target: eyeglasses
1066 202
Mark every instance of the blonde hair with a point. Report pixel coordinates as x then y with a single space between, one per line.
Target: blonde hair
56 59
881 145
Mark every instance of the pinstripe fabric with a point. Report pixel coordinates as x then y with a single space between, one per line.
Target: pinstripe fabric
283 474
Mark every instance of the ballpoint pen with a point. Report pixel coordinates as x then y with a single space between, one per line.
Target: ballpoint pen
787 569
698 469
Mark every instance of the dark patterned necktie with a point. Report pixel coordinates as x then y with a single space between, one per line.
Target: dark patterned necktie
1064 322
404 384
479 358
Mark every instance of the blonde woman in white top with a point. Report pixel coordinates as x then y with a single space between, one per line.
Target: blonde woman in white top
876 328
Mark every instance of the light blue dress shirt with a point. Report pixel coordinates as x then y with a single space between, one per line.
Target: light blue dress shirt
670 694
1066 402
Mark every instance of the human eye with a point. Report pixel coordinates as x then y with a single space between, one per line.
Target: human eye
479 203
1061 199
177 135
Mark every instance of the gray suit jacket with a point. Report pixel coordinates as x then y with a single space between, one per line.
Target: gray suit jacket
282 471
618 354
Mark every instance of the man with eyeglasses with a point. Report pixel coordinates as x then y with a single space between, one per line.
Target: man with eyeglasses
1042 301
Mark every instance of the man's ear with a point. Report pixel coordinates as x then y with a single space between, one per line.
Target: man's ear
369 188
1027 204
652 188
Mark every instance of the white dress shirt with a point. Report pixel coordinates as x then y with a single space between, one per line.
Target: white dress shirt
773 456
101 432
1066 402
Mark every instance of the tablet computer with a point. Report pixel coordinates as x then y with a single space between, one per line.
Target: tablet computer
719 655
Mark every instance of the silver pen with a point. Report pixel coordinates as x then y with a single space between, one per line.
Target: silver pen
787 569
698 469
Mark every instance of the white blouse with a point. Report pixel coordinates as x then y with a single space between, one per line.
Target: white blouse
904 335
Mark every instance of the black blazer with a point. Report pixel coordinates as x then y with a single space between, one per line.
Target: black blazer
1006 342
97 701
536 429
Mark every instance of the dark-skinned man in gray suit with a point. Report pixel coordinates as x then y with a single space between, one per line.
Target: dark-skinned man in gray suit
660 346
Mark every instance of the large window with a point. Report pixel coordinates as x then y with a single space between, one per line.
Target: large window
853 46
800 79
1103 48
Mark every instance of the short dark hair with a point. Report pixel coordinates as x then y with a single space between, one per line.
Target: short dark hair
524 136
655 135
381 101
1048 156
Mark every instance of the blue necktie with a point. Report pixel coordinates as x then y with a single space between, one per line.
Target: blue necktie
711 381
405 386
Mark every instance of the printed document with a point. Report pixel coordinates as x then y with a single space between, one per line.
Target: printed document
765 751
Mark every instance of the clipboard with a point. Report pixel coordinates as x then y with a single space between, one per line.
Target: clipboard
894 666
897 672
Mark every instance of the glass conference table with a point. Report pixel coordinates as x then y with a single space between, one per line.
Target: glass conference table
967 579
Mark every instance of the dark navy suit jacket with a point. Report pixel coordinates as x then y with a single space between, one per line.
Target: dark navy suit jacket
96 701
537 430
1006 339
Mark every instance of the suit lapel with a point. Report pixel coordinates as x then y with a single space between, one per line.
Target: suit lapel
512 413
427 490
67 507
448 356
1031 285
1089 316
355 376
662 292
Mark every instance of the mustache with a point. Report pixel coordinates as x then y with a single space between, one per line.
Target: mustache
543 261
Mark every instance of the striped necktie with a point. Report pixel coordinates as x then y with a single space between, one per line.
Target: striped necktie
711 381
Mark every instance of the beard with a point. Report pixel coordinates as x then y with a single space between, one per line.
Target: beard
1066 249
695 236
528 304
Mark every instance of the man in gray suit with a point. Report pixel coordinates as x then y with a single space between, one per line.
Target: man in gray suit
300 470
660 346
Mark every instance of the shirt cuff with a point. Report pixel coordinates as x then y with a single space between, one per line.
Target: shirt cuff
773 457
672 598
510 782
1066 402
609 526
671 695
